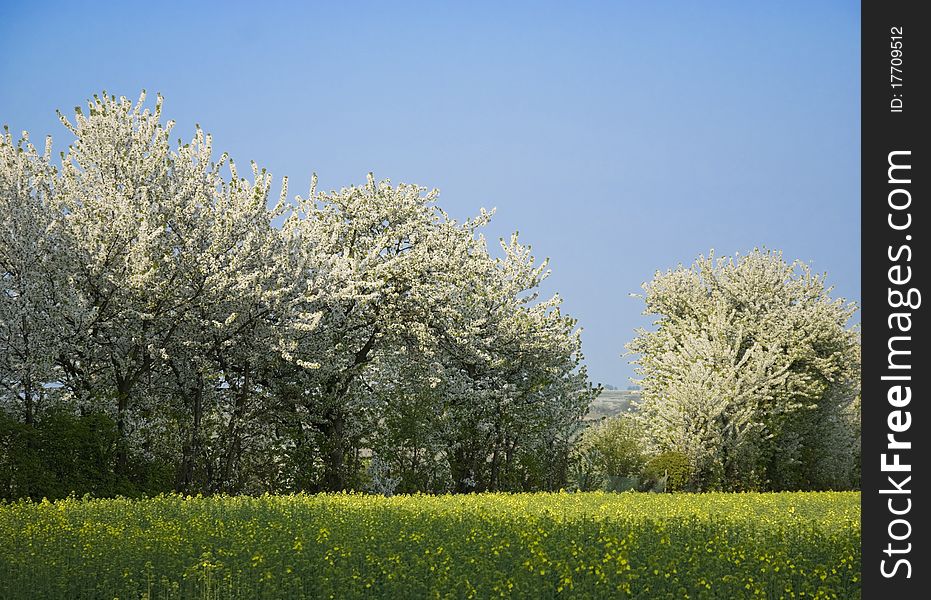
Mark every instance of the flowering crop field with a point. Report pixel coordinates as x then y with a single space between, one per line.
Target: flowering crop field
584 545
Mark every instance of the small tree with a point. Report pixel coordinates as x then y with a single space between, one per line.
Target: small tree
670 471
613 448
750 373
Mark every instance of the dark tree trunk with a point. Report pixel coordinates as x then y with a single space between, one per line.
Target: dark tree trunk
123 389
335 473
29 401
192 445
234 435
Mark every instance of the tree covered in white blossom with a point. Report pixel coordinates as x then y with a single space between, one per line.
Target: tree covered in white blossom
35 299
752 372
147 282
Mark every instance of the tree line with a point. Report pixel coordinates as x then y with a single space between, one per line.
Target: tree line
162 328
169 325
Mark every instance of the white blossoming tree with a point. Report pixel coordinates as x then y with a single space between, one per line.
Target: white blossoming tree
179 272
417 331
751 372
378 254
495 396
146 281
519 391
36 302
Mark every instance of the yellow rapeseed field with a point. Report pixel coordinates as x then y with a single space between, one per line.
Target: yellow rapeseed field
584 545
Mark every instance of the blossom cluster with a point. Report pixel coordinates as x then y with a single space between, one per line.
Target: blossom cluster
252 343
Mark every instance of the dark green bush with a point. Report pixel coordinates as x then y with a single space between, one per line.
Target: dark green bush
64 454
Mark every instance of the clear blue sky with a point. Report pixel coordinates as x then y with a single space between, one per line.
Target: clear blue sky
619 138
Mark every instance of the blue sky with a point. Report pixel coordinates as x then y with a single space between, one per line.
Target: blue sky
618 138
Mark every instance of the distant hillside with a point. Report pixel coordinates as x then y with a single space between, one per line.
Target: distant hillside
611 402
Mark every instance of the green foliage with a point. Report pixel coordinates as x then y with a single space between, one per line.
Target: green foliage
608 456
64 454
584 474
593 545
671 468
616 446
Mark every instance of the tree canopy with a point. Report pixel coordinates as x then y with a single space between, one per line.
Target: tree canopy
237 342
752 372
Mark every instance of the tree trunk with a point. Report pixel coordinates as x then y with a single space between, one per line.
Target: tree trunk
234 449
29 407
335 476
123 388
192 446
